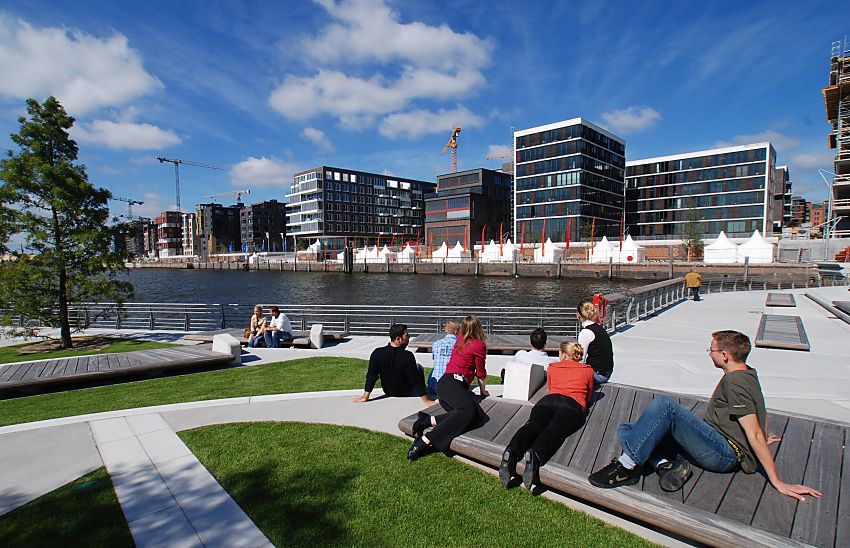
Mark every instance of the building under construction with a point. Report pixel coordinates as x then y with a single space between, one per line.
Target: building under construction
837 100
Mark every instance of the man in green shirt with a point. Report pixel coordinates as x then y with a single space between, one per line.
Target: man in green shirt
732 434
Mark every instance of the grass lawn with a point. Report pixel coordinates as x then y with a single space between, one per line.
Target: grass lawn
304 375
9 354
317 485
83 513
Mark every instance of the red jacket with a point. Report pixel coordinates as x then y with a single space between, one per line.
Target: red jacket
572 379
468 360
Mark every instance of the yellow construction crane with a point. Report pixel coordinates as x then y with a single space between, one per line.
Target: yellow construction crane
238 193
452 144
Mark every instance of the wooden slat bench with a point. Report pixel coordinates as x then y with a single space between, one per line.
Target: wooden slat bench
47 373
785 332
510 343
734 509
780 299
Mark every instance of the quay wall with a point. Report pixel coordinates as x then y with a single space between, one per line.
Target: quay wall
645 271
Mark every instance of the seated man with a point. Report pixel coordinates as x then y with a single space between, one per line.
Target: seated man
441 352
278 329
537 354
732 434
400 374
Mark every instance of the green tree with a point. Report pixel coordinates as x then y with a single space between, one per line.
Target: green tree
692 232
64 220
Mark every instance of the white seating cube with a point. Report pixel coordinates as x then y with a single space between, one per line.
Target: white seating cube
228 344
522 380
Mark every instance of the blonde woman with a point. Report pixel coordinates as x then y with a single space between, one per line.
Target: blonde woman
598 351
557 415
258 326
467 362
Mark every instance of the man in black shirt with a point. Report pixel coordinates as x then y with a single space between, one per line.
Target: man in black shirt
400 375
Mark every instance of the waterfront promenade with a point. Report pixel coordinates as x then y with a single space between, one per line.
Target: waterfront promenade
665 352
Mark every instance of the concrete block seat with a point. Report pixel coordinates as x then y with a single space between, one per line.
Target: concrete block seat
734 509
316 337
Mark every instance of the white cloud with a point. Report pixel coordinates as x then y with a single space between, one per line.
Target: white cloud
84 72
631 120
500 152
422 62
416 123
263 172
318 138
781 142
125 135
815 159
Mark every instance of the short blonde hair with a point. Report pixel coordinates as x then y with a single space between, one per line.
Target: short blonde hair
572 350
586 309
451 327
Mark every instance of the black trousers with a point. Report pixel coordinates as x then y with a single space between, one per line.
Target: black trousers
552 420
462 411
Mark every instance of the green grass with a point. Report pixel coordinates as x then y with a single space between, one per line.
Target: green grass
304 375
318 485
83 513
9 354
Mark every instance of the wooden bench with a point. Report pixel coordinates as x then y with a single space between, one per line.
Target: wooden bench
734 509
780 299
785 332
510 343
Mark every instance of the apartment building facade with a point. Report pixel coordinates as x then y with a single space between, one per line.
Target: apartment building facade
263 227
218 229
169 228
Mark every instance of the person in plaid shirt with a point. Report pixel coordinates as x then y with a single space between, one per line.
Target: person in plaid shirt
441 351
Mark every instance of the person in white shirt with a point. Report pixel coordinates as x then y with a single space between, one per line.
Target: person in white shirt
537 354
598 350
278 329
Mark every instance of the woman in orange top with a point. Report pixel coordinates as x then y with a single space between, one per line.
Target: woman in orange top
557 415
467 362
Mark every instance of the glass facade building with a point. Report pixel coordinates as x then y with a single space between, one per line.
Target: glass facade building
731 189
570 174
330 204
263 226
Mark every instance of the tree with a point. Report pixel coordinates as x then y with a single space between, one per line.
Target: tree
692 232
64 220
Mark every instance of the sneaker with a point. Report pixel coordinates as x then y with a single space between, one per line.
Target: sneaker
673 475
423 422
419 449
531 474
507 468
614 475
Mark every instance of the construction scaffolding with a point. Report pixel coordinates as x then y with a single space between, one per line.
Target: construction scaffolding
837 101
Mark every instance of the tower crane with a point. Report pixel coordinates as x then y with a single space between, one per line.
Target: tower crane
238 193
452 144
130 204
177 162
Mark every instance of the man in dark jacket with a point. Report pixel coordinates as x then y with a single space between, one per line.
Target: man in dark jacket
400 375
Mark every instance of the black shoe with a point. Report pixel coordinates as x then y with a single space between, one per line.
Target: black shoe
507 469
614 475
419 449
531 474
423 422
673 475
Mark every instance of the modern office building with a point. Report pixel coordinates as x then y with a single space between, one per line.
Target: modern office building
263 226
134 238
218 229
331 204
837 101
782 203
568 174
150 234
191 241
731 189
465 203
169 228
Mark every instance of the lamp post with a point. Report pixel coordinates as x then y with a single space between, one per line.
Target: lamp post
826 230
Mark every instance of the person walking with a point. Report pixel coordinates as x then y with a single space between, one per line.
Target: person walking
462 411
693 281
598 350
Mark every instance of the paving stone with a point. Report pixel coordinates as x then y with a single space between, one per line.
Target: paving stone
107 430
142 492
187 478
221 522
163 446
165 528
143 424
123 455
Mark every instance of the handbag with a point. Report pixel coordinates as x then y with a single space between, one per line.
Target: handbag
247 332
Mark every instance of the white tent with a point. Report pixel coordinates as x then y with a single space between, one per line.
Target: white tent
385 255
457 253
407 255
366 254
441 253
602 252
315 247
548 253
759 250
631 252
340 256
721 251
494 253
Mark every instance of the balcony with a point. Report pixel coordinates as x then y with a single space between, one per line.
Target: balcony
841 205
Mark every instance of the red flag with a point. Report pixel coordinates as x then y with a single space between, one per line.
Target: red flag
500 240
569 230
522 241
622 222
345 242
543 239
592 232
431 245
483 228
378 245
392 241
465 232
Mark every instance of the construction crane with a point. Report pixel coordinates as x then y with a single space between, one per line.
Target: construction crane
177 162
238 193
452 144
130 204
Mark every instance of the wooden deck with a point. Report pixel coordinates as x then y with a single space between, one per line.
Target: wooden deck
784 332
299 338
494 342
734 509
28 376
780 299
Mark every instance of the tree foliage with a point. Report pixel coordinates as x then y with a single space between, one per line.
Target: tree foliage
692 232
64 220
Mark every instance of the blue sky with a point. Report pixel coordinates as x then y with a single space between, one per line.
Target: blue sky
264 89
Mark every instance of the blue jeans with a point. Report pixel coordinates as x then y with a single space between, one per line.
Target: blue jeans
274 338
253 340
664 421
599 378
695 293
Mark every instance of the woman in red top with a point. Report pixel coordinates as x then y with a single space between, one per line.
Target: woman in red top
557 415
466 363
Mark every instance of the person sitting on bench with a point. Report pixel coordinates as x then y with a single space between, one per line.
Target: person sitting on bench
278 330
258 327
441 352
537 354
400 375
598 350
557 415
733 433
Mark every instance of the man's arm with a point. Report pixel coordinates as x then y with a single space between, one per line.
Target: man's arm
371 379
758 442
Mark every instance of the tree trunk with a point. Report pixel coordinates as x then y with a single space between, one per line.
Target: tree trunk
64 323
